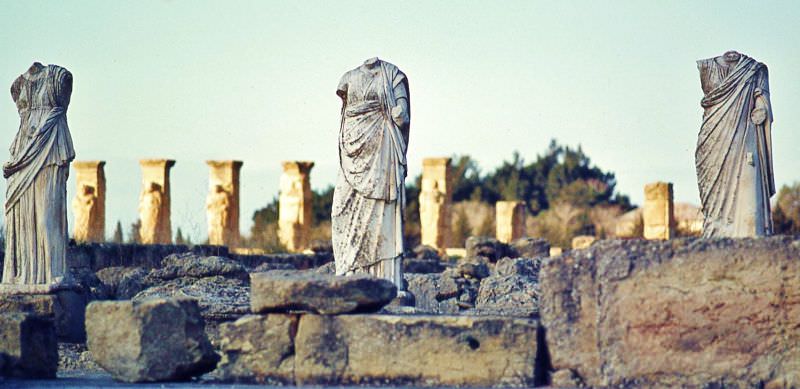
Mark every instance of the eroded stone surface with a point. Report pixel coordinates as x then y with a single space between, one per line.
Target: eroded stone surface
294 212
510 220
258 348
658 213
152 340
222 203
676 313
281 291
154 202
381 349
416 350
435 199
89 204
28 345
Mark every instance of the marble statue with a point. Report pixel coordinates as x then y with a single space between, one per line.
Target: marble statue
150 214
734 147
368 201
217 207
36 192
85 210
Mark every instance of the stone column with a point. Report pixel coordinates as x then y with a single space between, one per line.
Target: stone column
154 202
658 213
294 205
89 204
222 204
435 198
510 220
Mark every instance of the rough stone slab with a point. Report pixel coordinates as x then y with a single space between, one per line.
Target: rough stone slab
282 291
680 313
416 350
28 346
258 348
151 340
66 307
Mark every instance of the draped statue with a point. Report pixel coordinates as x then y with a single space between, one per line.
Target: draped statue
36 193
368 201
734 147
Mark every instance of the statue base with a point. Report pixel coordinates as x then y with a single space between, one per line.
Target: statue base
18 289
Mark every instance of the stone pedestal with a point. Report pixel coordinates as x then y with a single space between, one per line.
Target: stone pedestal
510 220
89 205
435 198
222 205
294 208
154 202
658 212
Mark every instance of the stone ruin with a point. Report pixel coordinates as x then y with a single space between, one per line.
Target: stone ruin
294 205
620 313
435 198
89 204
510 220
154 202
222 204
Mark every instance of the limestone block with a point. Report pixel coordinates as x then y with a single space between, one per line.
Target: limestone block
152 340
582 241
556 251
154 202
416 350
435 199
65 308
222 204
683 313
89 205
28 345
658 211
510 220
279 291
259 348
294 205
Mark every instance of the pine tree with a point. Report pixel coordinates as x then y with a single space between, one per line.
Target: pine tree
179 237
118 233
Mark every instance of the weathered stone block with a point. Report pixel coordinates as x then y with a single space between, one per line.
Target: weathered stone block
259 348
416 350
152 340
155 202
222 203
680 313
65 308
658 214
510 220
281 291
28 346
89 204
435 199
294 212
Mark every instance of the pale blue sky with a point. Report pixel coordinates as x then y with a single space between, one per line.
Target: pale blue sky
198 80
